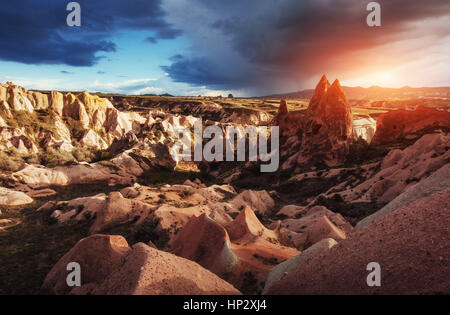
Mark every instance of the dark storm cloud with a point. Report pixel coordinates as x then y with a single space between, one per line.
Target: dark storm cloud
200 71
168 33
35 32
300 38
310 30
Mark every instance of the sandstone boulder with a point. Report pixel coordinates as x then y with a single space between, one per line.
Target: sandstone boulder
259 201
149 271
98 256
206 242
292 211
10 197
119 210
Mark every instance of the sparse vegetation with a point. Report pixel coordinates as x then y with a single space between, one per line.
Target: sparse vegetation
9 162
53 157
250 284
82 154
177 176
148 231
360 152
352 212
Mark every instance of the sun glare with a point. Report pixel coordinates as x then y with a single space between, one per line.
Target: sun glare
384 78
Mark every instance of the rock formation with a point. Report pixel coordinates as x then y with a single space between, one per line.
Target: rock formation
438 181
319 136
409 125
243 249
106 261
10 197
280 271
401 169
328 129
317 224
410 244
364 128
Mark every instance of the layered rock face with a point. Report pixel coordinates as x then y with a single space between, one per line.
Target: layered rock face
31 120
403 124
365 128
56 129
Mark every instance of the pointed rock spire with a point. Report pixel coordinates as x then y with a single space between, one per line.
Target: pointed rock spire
320 91
337 92
283 110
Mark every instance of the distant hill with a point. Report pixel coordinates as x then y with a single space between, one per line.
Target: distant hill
376 92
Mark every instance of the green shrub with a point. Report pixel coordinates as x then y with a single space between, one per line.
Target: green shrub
53 157
76 127
361 152
82 154
32 159
148 231
10 163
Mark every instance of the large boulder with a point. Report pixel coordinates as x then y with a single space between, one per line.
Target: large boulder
259 201
172 219
365 128
92 140
147 270
241 254
246 227
10 197
98 256
292 211
206 242
83 173
119 210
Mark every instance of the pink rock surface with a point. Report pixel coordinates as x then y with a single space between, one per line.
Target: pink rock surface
411 245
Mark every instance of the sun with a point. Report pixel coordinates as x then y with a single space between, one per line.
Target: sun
384 78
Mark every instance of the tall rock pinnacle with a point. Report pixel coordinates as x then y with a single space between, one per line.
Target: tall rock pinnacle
328 125
320 91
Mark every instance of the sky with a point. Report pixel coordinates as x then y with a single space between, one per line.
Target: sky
216 47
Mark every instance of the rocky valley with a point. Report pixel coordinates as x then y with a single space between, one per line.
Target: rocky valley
90 178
